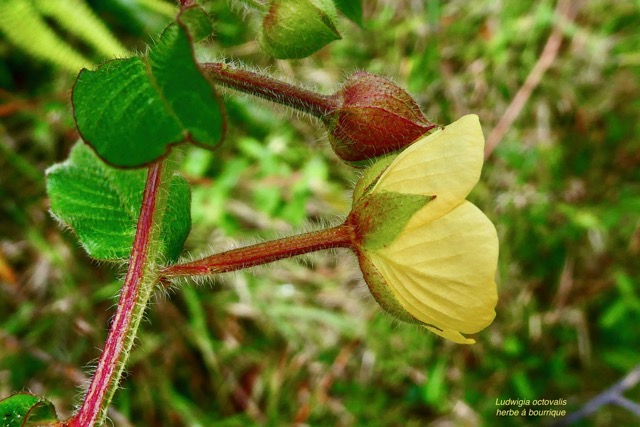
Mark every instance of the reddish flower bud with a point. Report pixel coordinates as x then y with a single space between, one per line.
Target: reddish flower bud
374 117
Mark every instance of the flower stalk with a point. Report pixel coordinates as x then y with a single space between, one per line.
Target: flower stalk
271 89
265 252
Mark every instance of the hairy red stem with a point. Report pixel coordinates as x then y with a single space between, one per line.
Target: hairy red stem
106 376
310 102
266 252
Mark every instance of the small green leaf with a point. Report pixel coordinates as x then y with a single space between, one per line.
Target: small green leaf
102 204
197 22
25 409
132 110
382 216
352 9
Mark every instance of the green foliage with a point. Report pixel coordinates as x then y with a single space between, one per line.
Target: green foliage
132 110
102 205
22 21
23 26
24 410
77 18
352 9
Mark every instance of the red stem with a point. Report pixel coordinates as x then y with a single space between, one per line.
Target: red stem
274 90
106 372
266 252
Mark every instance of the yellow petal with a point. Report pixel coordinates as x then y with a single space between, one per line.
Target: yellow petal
442 271
446 163
454 336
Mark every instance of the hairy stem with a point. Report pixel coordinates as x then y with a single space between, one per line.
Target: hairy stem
136 290
266 252
266 87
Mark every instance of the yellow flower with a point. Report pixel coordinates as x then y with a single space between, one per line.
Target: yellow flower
435 264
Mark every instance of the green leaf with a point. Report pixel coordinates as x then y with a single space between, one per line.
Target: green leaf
101 204
197 22
352 9
25 409
132 110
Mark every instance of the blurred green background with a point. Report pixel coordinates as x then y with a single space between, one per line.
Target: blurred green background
301 342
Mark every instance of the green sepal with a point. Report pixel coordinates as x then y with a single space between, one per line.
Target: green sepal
371 176
294 29
132 110
379 217
382 292
380 289
26 409
101 204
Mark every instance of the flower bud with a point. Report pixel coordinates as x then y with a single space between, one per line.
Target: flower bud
294 29
374 117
